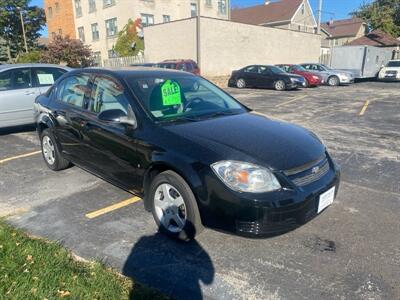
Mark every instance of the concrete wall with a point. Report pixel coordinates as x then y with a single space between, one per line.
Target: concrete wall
227 46
171 40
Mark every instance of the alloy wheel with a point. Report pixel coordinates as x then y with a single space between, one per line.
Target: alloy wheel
241 83
48 150
170 208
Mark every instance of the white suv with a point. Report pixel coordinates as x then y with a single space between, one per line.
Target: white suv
391 71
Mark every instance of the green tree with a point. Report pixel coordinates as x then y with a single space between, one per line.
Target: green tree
381 14
71 52
30 57
11 28
127 38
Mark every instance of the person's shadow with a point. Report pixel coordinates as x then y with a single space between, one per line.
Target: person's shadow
175 268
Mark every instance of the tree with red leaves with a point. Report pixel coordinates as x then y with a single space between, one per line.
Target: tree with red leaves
71 52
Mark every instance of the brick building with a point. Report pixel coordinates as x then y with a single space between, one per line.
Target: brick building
60 18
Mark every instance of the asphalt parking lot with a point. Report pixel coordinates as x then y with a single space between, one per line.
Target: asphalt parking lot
351 251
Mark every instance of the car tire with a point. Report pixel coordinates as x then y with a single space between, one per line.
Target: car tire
176 215
280 85
307 84
50 152
333 81
241 83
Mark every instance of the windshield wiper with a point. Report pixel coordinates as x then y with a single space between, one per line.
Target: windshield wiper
220 113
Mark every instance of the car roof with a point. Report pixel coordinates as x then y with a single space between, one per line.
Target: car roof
29 65
138 71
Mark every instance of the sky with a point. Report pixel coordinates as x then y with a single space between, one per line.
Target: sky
331 9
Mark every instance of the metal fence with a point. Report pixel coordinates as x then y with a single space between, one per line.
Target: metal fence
123 61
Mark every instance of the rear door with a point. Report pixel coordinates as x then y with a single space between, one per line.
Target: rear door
251 76
110 146
68 114
17 95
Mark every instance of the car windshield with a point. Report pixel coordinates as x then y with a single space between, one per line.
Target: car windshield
393 63
276 70
325 67
299 68
182 98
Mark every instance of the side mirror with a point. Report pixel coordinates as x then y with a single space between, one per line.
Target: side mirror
116 116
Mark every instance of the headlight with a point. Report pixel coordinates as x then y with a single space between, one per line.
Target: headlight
293 79
245 177
315 77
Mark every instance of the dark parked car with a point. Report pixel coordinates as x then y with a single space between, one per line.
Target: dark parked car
265 77
311 78
195 154
186 65
143 65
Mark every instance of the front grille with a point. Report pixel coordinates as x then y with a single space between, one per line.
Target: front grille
314 173
391 72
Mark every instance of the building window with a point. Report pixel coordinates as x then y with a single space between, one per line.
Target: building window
147 20
209 2
53 35
112 53
78 8
108 3
92 6
111 27
81 34
57 6
222 7
50 12
95 32
302 9
59 31
299 27
166 18
97 58
193 9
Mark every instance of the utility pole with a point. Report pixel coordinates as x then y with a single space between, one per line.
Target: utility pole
198 34
319 17
23 28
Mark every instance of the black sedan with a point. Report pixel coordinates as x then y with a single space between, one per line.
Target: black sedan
192 152
261 76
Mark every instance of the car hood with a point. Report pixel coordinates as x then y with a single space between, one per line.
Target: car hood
255 138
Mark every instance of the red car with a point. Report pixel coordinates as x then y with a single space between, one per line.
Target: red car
186 65
312 79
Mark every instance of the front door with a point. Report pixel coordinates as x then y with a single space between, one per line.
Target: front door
110 146
17 95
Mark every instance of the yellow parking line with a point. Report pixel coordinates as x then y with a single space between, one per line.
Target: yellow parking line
19 156
290 101
364 108
111 208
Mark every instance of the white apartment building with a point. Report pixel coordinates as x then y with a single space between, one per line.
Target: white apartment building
97 22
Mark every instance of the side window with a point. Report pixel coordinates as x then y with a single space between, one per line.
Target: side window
73 89
262 70
251 69
182 67
189 66
5 80
47 76
307 67
107 93
319 68
21 79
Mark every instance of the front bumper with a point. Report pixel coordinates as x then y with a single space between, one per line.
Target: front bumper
346 80
266 214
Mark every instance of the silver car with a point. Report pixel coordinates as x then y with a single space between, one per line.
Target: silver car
332 77
20 84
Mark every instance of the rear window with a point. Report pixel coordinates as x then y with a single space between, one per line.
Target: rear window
167 66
